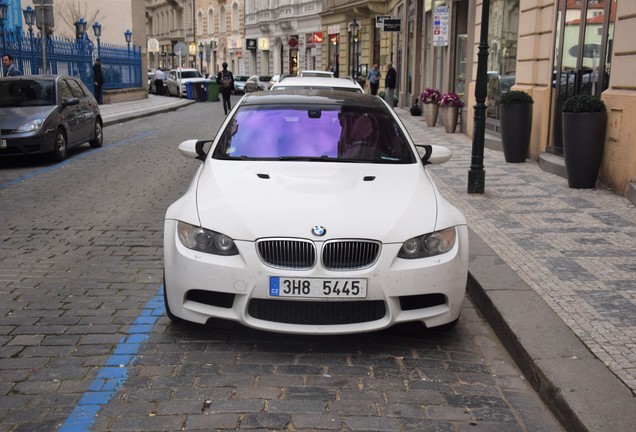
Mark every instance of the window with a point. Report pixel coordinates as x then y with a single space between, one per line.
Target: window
210 22
235 17
222 18
76 90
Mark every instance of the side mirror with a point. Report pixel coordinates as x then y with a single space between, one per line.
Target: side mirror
70 102
193 149
436 154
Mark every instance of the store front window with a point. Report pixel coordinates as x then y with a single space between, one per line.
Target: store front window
588 24
502 56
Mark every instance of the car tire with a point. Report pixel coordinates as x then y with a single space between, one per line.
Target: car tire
98 135
60 147
173 318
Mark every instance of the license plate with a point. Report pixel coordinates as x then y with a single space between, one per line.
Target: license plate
3 144
317 288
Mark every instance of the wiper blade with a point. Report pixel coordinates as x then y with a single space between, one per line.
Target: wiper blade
323 158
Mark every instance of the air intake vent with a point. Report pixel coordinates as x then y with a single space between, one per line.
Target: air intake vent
349 254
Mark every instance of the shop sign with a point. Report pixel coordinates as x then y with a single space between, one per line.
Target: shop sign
392 25
263 44
440 26
250 44
292 41
153 45
309 41
317 37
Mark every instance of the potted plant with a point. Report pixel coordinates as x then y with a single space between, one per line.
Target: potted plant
429 98
584 121
450 103
516 124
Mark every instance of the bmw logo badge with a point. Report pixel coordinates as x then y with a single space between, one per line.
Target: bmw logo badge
319 231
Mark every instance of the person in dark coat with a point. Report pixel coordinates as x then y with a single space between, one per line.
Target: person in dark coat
390 82
98 81
225 79
10 68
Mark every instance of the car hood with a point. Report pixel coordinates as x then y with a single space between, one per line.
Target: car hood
251 200
11 118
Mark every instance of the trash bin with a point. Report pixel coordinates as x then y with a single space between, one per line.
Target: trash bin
200 91
189 90
213 91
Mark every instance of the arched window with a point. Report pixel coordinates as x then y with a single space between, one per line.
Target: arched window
210 22
235 17
222 28
199 23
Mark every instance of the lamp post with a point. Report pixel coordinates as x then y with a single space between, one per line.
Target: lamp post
476 174
80 30
353 35
97 31
201 47
29 20
128 36
3 17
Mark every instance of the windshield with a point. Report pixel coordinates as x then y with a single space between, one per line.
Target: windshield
190 74
27 93
314 133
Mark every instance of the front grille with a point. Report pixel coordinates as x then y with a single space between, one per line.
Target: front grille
289 254
317 313
298 254
349 254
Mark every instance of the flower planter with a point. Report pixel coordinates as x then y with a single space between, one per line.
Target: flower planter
430 114
449 117
583 142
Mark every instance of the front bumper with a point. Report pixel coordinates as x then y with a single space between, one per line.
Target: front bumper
201 286
27 143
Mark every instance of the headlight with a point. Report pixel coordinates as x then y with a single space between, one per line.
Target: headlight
428 245
203 240
32 126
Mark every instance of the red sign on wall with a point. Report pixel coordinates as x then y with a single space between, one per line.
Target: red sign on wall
318 37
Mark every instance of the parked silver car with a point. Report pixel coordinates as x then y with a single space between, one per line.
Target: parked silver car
47 114
183 76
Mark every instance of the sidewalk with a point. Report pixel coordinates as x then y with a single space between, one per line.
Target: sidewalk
552 269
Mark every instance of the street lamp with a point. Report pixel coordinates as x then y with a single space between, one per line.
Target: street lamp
97 31
29 20
128 36
3 17
80 28
80 31
201 47
353 35
476 174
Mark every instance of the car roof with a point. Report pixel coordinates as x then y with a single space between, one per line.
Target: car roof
316 72
323 97
316 82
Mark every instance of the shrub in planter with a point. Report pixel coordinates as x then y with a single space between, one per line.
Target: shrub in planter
584 123
516 125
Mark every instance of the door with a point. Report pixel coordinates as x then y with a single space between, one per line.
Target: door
582 56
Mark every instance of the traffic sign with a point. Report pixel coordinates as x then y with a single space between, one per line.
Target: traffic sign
379 20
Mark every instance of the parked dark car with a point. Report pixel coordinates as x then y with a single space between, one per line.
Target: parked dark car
47 114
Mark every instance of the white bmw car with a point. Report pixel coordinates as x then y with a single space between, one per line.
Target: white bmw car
313 212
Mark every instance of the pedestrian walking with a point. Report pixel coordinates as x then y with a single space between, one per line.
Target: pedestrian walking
373 78
98 81
390 82
10 68
225 79
159 77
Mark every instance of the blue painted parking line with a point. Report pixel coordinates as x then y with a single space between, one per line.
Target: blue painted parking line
75 158
112 377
